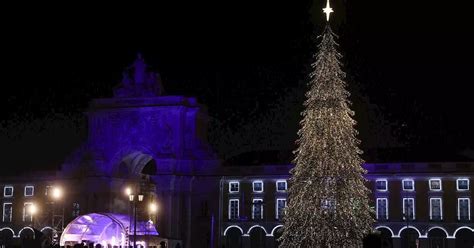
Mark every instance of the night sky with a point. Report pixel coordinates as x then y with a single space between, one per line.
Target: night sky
409 62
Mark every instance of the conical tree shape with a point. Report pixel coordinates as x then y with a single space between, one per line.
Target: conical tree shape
328 202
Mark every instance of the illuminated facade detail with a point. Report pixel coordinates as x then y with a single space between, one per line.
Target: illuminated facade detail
328 10
7 212
27 215
233 209
408 184
29 190
257 186
281 186
436 209
280 208
381 207
8 191
381 185
464 209
435 184
257 209
409 208
462 184
234 187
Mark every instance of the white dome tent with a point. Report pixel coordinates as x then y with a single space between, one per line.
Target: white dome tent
107 229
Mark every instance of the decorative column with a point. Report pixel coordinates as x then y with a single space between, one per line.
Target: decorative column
423 243
245 241
270 242
397 242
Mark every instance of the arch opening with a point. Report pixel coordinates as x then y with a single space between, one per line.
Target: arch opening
233 237
464 238
385 235
437 238
6 237
257 237
409 237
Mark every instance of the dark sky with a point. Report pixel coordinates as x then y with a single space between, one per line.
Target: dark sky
410 59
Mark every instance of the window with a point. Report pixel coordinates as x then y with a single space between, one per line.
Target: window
76 209
257 186
462 184
29 190
409 208
280 208
49 190
27 212
381 185
435 184
8 191
7 212
408 185
382 209
464 209
257 209
233 209
281 186
436 209
233 187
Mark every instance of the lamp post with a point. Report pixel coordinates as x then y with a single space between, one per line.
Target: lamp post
133 200
56 196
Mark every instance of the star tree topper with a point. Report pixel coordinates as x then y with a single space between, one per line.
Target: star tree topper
328 10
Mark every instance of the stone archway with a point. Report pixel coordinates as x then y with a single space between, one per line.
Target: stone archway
437 238
135 164
257 237
464 238
277 234
409 237
233 238
385 237
6 237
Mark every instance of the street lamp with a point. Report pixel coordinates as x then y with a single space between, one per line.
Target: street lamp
153 207
57 193
133 201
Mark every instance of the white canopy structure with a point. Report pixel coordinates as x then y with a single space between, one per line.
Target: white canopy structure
106 229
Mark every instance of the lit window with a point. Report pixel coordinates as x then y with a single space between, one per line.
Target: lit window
7 212
435 184
280 208
281 186
233 187
381 185
382 209
27 216
462 184
409 208
257 186
257 209
464 209
8 191
29 190
436 209
233 209
408 185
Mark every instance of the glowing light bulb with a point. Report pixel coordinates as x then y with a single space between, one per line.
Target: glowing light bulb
328 10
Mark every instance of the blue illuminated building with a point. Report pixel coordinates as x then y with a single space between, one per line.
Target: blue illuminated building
156 146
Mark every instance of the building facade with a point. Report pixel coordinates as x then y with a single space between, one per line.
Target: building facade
156 147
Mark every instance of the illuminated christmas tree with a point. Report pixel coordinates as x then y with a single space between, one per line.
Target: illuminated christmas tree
328 202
